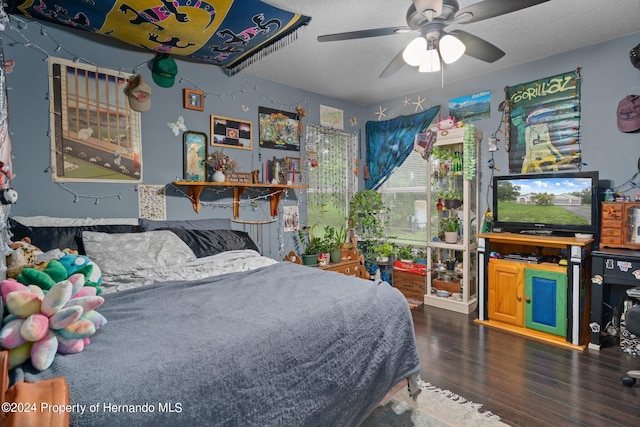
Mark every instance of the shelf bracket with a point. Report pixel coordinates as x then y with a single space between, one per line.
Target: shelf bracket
194 195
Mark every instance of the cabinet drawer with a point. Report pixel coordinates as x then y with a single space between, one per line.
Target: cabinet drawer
611 232
610 240
612 223
611 211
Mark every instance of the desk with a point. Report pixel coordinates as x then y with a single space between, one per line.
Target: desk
618 267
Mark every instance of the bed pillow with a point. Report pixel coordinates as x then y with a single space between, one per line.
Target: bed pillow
211 242
55 237
192 224
125 253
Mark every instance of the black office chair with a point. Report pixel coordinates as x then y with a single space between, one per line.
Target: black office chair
632 324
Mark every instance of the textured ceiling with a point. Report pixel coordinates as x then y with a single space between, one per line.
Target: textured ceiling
350 69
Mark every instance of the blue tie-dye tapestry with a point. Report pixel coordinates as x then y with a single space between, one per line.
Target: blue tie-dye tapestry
390 142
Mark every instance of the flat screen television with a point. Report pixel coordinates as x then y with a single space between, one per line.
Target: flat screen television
561 203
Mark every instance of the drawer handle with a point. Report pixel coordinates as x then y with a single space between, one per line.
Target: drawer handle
527 300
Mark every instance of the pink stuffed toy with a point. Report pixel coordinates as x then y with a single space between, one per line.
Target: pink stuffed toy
38 326
447 123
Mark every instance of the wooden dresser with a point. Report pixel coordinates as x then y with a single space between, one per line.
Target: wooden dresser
620 225
352 264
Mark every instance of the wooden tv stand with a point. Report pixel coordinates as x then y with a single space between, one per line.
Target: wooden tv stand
515 296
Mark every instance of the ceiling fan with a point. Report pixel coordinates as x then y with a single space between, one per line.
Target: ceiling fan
430 18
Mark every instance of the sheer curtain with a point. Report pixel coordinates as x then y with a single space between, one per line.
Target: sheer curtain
390 142
331 174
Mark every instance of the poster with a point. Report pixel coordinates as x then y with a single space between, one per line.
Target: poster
279 129
471 107
95 135
331 117
543 125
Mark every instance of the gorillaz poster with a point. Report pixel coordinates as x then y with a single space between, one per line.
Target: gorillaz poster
543 124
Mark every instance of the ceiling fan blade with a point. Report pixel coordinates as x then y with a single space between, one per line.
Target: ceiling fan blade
376 32
478 48
394 66
490 8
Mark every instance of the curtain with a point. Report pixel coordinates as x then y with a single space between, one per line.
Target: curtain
331 166
390 142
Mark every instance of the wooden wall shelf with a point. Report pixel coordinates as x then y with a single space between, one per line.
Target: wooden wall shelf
275 191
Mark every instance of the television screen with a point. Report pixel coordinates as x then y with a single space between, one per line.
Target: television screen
546 203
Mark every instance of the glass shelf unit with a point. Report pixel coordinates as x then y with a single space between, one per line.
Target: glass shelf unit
453 286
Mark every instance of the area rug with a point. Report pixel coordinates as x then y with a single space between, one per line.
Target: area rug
433 408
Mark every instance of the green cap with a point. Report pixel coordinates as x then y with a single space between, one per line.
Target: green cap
164 71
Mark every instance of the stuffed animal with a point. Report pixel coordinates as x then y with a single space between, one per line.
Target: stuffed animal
447 123
58 270
23 255
38 326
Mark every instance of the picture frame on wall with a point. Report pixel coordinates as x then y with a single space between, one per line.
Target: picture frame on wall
195 153
228 132
193 99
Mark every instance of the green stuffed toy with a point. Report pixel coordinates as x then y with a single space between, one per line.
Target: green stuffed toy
58 270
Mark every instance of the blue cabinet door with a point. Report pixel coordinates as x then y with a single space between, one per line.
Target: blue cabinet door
546 300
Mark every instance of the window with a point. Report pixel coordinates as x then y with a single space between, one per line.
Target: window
405 195
331 161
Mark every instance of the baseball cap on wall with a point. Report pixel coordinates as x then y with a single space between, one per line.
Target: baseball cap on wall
139 94
164 71
628 114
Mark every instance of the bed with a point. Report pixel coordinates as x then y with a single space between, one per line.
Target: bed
225 336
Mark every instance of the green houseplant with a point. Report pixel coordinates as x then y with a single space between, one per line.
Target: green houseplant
451 198
383 251
367 214
450 226
405 253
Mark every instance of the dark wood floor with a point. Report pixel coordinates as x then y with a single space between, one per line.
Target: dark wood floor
525 382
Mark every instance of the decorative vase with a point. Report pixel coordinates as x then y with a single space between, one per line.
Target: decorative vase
451 237
218 176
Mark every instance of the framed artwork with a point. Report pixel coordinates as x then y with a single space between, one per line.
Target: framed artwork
90 144
193 99
195 153
231 133
294 164
279 129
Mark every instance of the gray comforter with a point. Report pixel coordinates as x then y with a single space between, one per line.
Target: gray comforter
282 345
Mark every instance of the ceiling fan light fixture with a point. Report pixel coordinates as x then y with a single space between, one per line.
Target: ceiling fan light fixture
451 49
431 62
415 51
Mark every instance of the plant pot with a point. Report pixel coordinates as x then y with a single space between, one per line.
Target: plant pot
451 265
451 237
311 259
382 259
218 176
452 203
336 256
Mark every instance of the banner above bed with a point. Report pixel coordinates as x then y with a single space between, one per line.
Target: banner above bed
230 34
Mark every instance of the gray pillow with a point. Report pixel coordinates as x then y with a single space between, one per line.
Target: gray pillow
191 224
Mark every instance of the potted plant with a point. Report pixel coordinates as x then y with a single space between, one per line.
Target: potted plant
450 226
451 198
405 253
311 246
367 214
383 251
335 240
